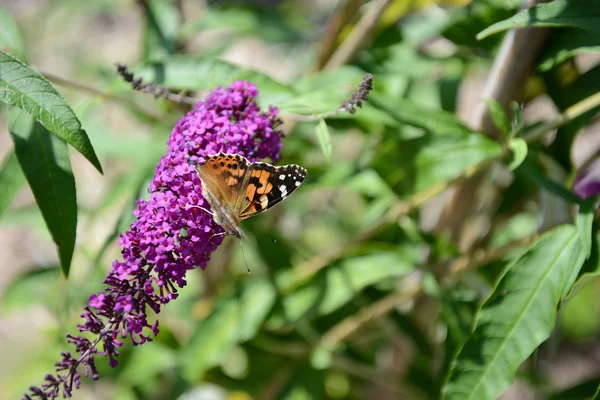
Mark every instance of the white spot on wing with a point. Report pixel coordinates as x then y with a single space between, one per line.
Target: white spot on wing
297 183
283 191
282 176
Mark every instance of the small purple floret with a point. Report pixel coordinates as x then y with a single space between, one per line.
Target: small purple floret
170 234
587 183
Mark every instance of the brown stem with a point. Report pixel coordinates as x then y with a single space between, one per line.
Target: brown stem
505 83
344 13
359 35
102 94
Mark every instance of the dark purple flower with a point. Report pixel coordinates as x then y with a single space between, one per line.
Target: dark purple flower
587 183
170 234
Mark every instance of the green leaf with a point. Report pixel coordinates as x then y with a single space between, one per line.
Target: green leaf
255 304
268 24
341 283
186 72
211 341
468 21
11 40
145 366
584 221
533 169
519 315
430 119
564 44
162 22
587 84
582 390
324 139
582 14
305 384
11 180
591 267
45 283
44 159
322 92
518 147
499 116
22 87
445 158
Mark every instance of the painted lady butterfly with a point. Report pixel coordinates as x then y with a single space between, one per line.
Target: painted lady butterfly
237 189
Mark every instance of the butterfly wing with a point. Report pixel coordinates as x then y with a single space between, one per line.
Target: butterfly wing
266 185
222 176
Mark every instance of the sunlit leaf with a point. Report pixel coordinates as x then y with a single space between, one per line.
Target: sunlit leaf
498 116
581 14
11 180
324 139
188 72
211 341
519 315
564 44
429 119
322 92
22 87
340 283
533 169
256 302
11 40
44 159
43 282
518 147
162 22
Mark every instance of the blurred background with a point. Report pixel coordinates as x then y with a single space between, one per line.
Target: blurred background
330 277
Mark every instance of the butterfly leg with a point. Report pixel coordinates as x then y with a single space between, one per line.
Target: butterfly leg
219 234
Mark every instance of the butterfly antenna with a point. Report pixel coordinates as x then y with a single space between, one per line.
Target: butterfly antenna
263 237
244 256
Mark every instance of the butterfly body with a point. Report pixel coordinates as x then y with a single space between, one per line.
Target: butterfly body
237 189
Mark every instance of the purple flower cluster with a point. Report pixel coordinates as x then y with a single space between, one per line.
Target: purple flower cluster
171 234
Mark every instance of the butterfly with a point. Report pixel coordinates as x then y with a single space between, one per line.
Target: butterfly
237 189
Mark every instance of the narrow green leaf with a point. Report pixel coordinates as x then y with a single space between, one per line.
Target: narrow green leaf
340 283
564 44
591 268
584 221
268 24
597 394
256 302
519 152
11 40
211 341
44 159
445 158
162 22
324 139
499 116
145 366
45 283
11 180
532 169
432 120
322 92
186 72
519 315
582 14
582 390
22 87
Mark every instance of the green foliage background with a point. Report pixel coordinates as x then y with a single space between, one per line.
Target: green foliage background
378 284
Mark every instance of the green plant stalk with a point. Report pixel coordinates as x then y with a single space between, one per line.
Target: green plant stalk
575 111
